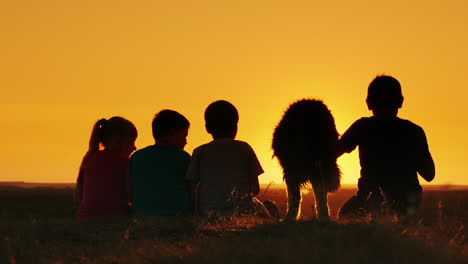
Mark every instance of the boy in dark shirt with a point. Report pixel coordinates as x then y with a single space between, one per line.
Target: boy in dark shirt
158 171
392 151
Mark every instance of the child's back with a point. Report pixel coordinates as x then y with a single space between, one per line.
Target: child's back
226 170
103 182
392 151
158 181
158 171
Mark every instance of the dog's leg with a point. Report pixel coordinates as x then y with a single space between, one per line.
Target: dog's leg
321 194
294 199
321 201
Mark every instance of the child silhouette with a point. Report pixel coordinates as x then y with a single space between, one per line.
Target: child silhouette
225 170
102 187
158 171
392 151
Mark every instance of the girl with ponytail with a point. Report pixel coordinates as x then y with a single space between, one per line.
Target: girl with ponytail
102 187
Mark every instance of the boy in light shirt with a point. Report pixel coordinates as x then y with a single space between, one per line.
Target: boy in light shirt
224 172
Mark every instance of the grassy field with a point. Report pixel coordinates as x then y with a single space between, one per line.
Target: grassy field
37 225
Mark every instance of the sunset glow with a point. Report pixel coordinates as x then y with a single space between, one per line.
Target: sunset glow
66 64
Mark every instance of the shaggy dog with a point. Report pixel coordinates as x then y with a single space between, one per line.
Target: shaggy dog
305 142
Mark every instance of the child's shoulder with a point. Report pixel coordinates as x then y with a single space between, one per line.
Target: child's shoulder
243 144
365 119
143 152
109 155
222 145
377 119
180 152
360 123
397 123
104 158
414 129
199 148
230 143
409 123
153 150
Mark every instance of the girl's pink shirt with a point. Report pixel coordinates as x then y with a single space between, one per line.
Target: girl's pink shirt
104 177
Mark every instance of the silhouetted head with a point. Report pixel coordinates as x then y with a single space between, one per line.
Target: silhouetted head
170 129
384 95
221 119
115 133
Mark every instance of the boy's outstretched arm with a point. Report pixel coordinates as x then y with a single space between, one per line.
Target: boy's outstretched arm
349 140
340 149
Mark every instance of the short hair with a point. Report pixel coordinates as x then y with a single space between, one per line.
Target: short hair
221 118
166 120
384 92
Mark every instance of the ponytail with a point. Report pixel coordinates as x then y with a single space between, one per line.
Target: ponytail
109 132
96 135
96 138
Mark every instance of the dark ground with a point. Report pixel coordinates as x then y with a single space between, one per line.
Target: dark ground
38 225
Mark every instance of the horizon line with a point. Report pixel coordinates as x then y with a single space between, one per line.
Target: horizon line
444 186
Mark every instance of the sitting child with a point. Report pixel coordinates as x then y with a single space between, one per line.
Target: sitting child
102 187
158 171
224 173
392 151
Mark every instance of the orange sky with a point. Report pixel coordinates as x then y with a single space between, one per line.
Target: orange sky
65 64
